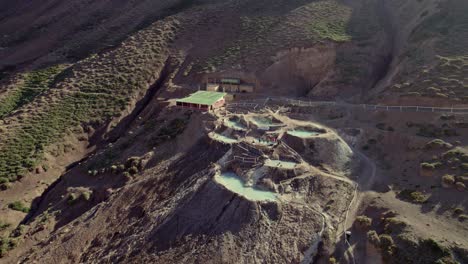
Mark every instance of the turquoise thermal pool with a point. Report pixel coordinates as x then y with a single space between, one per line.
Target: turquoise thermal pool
233 183
303 133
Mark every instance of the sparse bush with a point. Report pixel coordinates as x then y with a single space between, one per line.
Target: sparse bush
418 197
6 244
4 225
448 179
5 186
120 167
133 162
363 221
387 246
460 186
86 195
133 170
19 206
19 231
437 144
394 225
458 211
72 198
464 166
430 166
373 238
413 196
435 247
386 241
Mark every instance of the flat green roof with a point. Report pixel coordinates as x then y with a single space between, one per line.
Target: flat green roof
203 98
230 80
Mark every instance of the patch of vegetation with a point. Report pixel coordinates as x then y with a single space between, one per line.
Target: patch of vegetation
448 179
171 131
430 130
393 225
431 166
458 211
6 244
413 196
363 221
19 206
330 21
77 195
94 91
4 225
438 47
438 144
33 84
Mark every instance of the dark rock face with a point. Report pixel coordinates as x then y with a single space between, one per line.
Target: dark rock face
212 210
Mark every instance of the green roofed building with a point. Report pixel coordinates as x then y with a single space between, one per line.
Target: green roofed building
203 100
230 81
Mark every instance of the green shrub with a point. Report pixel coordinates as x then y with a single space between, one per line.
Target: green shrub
458 210
72 198
133 170
373 238
363 221
133 162
437 144
460 186
386 242
464 166
448 179
5 186
86 195
6 244
431 166
413 196
418 197
394 225
4 225
435 247
19 231
19 206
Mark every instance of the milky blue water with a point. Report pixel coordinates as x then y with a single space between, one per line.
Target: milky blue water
235 125
303 133
235 184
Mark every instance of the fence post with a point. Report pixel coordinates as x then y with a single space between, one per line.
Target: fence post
417 108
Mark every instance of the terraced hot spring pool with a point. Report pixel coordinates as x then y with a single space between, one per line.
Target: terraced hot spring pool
223 138
264 122
235 124
235 184
303 133
288 165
